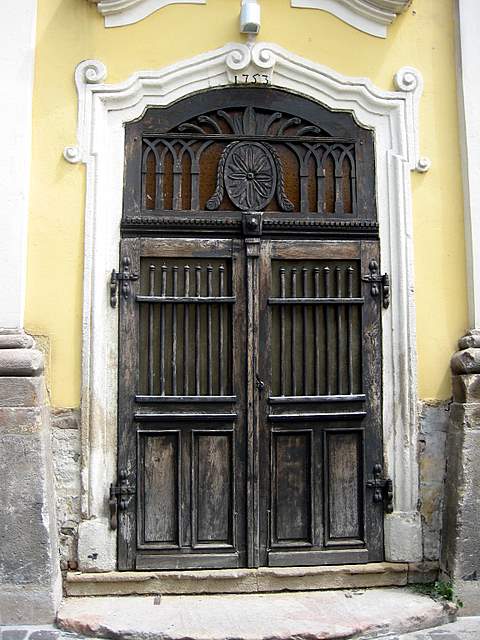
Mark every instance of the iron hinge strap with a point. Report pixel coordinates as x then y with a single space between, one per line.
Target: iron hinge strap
380 283
119 498
382 488
125 276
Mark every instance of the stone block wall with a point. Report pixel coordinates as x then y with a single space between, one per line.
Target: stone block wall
433 420
461 538
65 429
30 580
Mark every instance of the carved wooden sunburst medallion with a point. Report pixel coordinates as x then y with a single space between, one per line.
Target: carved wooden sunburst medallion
250 175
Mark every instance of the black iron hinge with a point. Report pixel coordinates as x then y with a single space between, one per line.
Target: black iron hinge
380 284
120 496
125 277
382 488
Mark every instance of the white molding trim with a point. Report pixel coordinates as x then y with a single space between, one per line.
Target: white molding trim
103 110
370 16
119 13
468 63
17 55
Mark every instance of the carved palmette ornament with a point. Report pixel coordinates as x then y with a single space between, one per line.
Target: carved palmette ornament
251 173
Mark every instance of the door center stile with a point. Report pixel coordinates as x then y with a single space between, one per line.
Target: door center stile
252 224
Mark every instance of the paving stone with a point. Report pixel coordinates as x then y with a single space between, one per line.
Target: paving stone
13 634
467 628
44 635
304 616
34 632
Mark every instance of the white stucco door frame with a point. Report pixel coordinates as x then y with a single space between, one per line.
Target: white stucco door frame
103 111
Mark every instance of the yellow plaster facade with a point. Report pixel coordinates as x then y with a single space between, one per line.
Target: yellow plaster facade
69 31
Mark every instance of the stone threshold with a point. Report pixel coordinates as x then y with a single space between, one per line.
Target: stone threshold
262 580
307 615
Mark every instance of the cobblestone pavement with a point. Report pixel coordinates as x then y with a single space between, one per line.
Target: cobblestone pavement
463 629
33 632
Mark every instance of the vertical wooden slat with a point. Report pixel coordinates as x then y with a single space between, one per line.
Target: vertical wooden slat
338 326
151 311
293 312
160 200
162 330
316 311
149 184
304 190
338 187
221 354
198 275
304 331
320 184
209 331
328 387
159 190
174 332
177 184
186 330
353 182
283 372
195 189
349 330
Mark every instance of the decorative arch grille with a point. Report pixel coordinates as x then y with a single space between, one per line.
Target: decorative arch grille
249 149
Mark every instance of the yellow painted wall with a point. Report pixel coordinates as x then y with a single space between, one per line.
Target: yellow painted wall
71 30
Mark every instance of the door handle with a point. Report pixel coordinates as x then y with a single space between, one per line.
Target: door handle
260 383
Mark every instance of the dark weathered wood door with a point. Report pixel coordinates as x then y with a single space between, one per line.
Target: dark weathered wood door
250 398
182 405
249 424
320 429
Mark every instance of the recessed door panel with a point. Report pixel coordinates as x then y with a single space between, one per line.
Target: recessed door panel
292 488
213 488
160 472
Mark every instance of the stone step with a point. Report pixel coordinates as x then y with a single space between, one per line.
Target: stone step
325 615
264 579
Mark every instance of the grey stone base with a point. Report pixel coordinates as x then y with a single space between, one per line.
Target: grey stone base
461 548
262 580
30 581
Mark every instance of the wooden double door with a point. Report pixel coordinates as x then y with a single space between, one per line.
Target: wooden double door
249 403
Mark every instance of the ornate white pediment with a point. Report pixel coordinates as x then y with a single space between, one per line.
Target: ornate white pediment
122 12
370 16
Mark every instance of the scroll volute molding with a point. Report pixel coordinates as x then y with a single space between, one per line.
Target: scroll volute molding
119 13
370 16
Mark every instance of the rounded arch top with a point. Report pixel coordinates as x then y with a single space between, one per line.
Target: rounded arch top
250 148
